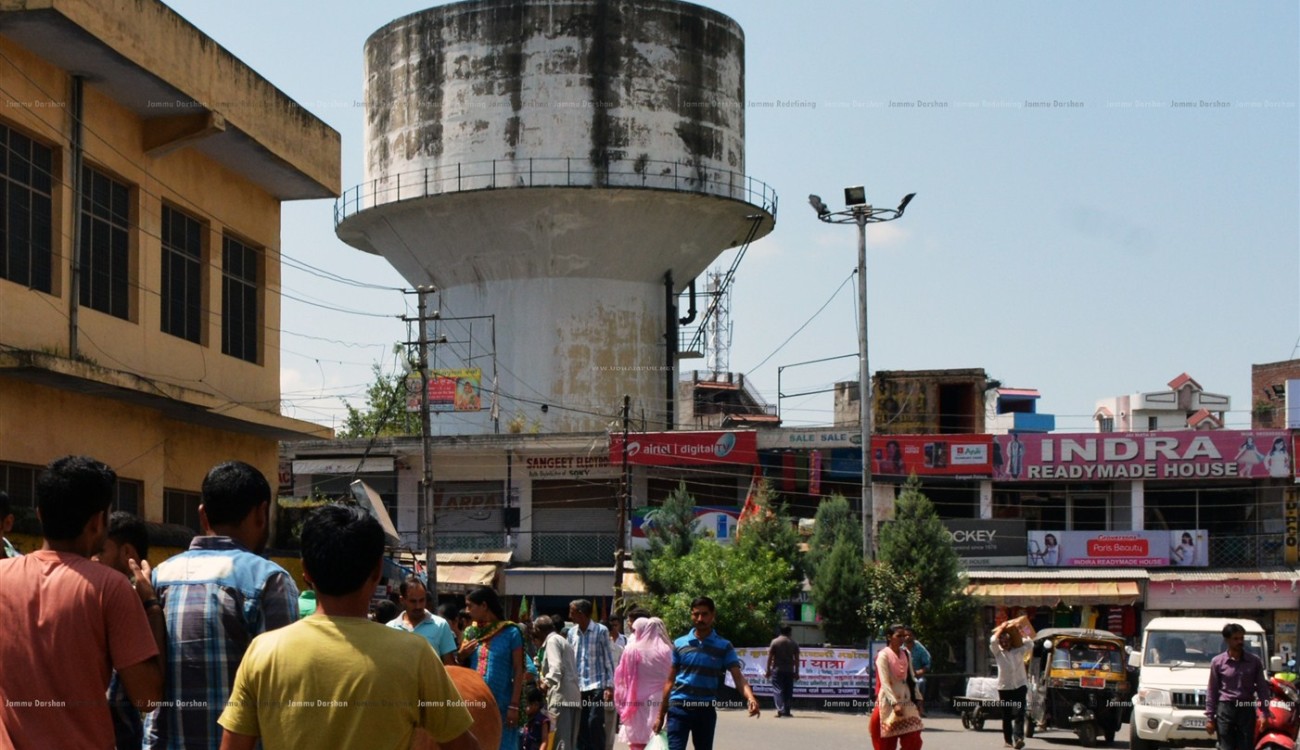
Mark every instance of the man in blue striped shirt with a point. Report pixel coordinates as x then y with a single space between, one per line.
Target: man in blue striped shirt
590 641
700 660
217 595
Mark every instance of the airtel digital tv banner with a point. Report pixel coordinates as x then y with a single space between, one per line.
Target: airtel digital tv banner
929 455
685 448
1212 454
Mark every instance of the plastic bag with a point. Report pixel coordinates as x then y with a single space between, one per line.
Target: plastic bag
658 742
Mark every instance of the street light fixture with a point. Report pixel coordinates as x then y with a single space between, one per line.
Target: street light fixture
860 213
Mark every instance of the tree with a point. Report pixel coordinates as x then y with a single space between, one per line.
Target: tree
671 532
892 597
835 518
768 527
385 412
840 592
745 587
917 542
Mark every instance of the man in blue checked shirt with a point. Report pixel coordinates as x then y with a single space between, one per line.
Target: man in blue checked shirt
700 660
590 641
217 595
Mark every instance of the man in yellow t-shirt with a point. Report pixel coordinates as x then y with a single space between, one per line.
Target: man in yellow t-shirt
336 679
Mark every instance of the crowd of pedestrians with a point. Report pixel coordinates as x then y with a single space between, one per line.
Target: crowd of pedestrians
216 649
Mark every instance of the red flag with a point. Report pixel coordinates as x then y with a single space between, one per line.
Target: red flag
750 508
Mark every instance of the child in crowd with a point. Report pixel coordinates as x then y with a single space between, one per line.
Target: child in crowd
538 729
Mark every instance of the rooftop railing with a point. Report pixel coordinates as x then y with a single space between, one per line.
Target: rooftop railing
503 174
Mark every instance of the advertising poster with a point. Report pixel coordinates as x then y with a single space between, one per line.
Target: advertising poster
449 390
985 543
827 673
713 522
948 455
1081 549
1214 454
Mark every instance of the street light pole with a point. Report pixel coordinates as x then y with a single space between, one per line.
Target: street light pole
865 388
861 214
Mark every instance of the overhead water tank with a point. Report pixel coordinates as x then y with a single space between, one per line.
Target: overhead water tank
555 169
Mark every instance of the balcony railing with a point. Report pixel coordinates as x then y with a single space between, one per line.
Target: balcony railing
597 550
470 542
576 550
1254 550
502 174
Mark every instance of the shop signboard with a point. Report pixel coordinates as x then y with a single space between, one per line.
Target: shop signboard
1291 515
685 448
1145 549
1225 595
830 674
583 466
986 542
808 438
942 455
1181 455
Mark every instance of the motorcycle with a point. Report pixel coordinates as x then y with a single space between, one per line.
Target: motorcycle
1281 721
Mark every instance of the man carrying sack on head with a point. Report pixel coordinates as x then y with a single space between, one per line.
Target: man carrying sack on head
1010 650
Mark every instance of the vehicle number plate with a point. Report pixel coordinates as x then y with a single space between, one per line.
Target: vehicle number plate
1092 682
1194 723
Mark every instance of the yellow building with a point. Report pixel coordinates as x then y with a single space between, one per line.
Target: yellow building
142 170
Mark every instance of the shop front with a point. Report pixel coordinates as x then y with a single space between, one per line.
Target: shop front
1269 597
1105 599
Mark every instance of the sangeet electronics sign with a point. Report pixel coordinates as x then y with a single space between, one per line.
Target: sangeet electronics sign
1218 454
685 448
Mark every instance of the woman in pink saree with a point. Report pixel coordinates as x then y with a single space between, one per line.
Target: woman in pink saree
639 680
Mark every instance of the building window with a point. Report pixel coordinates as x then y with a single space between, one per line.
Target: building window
26 210
182 508
105 244
129 492
19 480
1152 423
1105 424
239 286
182 275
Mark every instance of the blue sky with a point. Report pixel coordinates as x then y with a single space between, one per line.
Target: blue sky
1087 251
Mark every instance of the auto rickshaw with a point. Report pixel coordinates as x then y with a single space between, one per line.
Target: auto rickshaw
1077 681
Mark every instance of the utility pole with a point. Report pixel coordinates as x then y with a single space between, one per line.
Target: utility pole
426 442
624 505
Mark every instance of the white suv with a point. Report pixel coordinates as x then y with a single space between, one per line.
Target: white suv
1169 705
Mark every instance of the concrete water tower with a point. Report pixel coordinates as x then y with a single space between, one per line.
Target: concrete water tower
567 169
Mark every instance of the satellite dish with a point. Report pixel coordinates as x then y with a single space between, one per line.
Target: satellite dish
367 498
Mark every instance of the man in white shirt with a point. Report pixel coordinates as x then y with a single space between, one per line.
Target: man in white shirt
558 677
1009 651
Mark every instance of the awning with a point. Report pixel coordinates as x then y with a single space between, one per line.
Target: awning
463 578
460 572
632 583
1051 593
371 465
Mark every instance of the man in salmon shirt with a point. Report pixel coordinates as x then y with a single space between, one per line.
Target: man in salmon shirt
70 621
